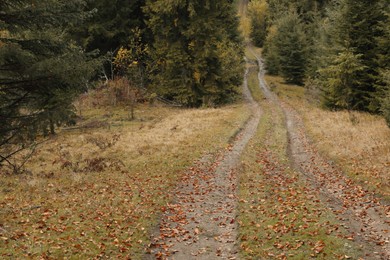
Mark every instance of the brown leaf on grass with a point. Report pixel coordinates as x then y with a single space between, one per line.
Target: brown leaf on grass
318 247
196 231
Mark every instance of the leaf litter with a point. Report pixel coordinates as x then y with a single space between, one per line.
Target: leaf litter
360 211
200 223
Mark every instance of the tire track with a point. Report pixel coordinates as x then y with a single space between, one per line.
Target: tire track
201 221
357 209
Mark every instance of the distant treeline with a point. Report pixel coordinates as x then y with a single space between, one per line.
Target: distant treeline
337 48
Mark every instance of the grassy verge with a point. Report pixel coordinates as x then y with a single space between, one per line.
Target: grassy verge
97 192
358 142
280 216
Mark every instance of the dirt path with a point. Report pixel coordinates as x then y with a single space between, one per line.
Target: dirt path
201 222
357 209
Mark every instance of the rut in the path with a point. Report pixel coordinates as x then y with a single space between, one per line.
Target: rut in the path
201 222
366 216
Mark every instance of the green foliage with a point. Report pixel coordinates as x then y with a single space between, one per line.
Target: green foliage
112 24
285 48
196 51
346 54
258 16
385 100
40 15
355 25
383 88
271 52
305 8
41 71
340 77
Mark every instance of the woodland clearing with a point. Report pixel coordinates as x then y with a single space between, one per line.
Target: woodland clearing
97 191
272 176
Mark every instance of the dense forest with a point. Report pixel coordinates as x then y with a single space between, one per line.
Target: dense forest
185 51
338 49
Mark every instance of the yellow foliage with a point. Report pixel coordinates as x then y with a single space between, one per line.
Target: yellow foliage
197 76
258 10
272 31
123 58
4 33
245 26
259 7
130 56
191 45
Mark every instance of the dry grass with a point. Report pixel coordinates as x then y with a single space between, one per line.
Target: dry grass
358 142
97 192
280 216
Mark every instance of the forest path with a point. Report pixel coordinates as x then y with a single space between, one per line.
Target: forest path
201 221
365 216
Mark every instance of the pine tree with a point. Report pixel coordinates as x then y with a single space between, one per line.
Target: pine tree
191 40
41 70
292 48
383 87
111 25
341 76
305 8
286 50
309 29
271 52
385 100
354 25
258 15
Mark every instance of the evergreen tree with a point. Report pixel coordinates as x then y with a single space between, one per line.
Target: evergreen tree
305 8
383 88
354 26
341 76
385 100
288 47
291 44
41 71
271 52
310 14
258 16
190 47
111 25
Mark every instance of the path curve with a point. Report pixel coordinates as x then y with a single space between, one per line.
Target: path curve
201 221
359 210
